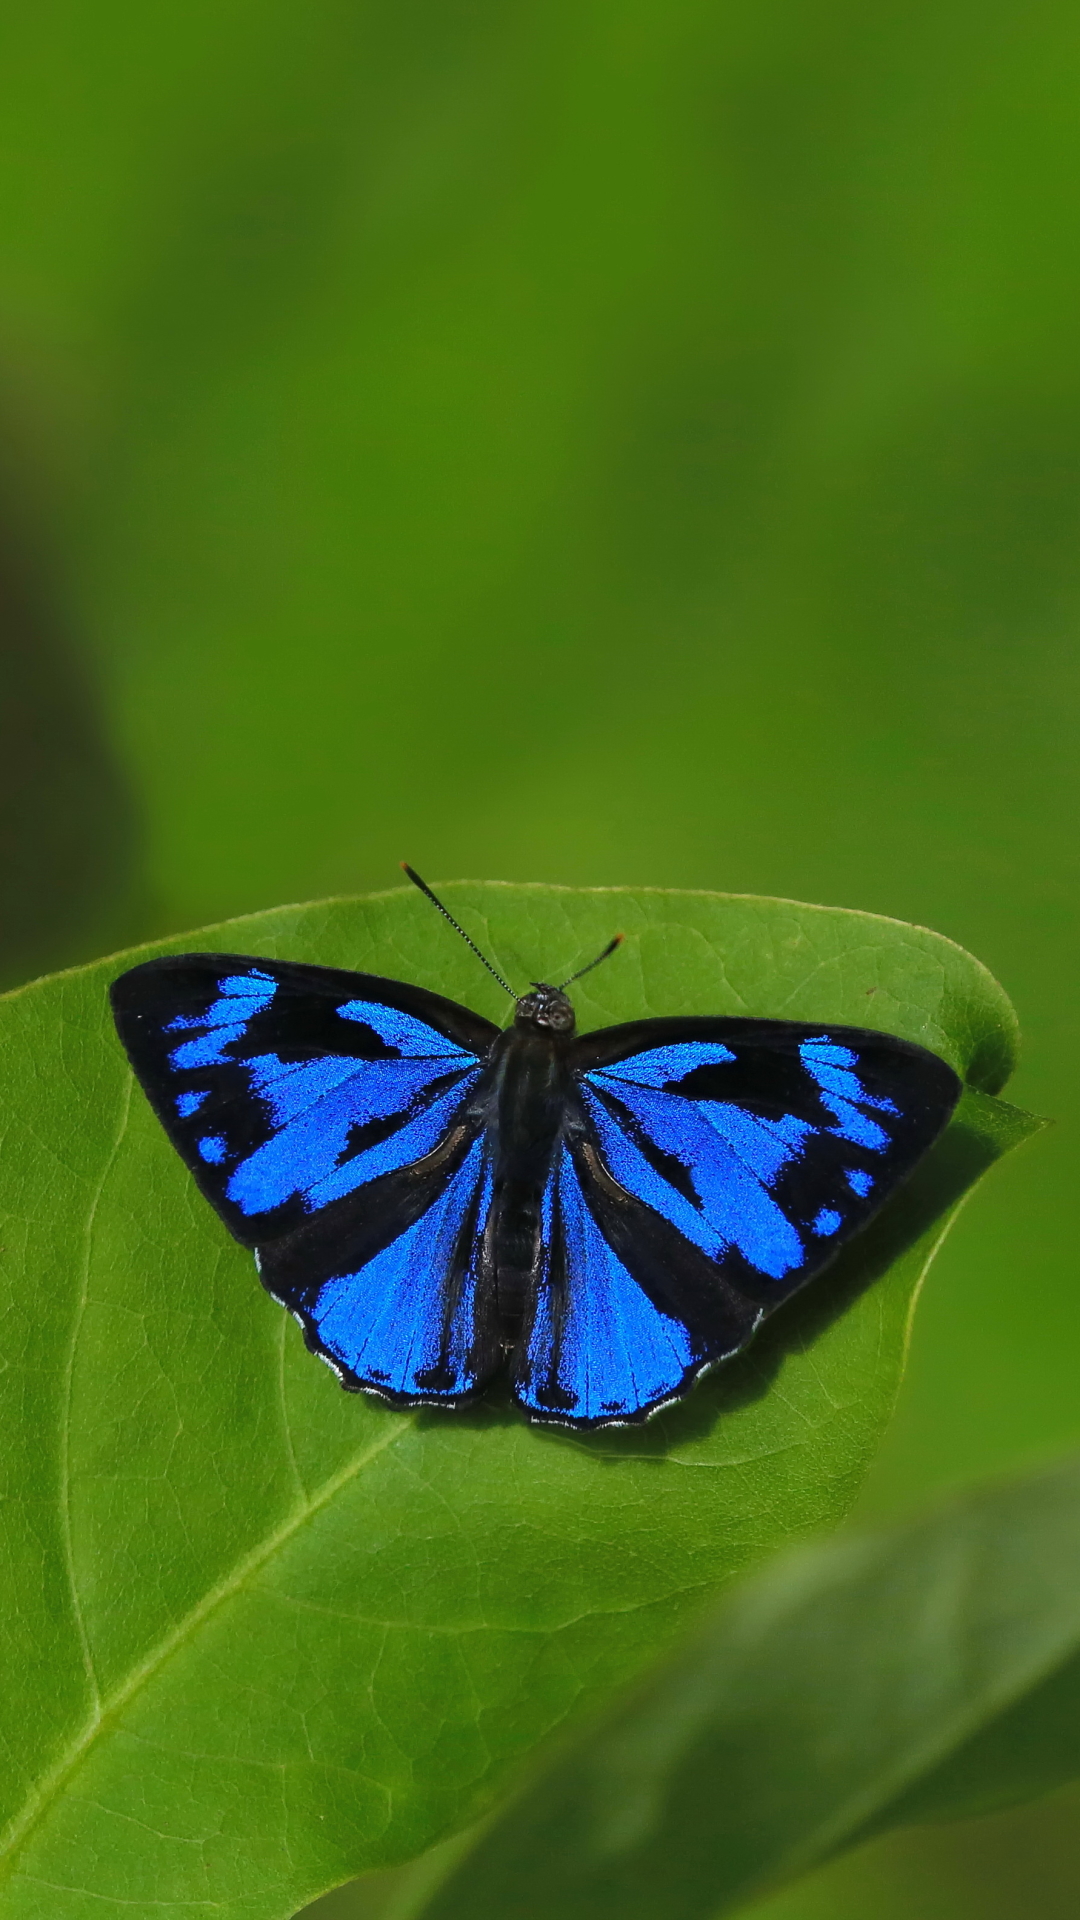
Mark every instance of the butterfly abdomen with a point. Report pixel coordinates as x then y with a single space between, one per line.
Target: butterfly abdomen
533 1081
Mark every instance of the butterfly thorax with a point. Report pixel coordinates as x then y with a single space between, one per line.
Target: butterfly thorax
532 1090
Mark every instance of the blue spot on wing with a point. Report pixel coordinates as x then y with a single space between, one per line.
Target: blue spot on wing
598 1341
833 1069
409 1036
763 1146
253 986
409 1320
827 1222
240 997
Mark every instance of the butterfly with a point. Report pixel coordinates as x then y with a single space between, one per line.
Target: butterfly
437 1200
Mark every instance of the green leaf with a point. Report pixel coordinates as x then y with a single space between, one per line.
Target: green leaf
262 1635
926 1672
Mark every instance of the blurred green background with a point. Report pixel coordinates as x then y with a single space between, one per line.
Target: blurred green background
596 443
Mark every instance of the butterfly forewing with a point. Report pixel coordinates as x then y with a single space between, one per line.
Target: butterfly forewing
763 1145
286 1088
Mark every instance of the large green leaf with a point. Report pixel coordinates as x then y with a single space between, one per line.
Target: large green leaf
923 1673
261 1635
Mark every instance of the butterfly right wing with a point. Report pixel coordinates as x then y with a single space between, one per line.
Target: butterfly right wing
765 1145
711 1167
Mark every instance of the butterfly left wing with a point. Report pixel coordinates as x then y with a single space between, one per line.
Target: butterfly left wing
333 1120
286 1088
713 1167
396 1294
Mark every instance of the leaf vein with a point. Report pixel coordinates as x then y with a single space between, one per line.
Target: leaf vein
67 1385
38 1803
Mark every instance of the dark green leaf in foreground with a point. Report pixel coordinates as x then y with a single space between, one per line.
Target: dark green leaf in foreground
927 1672
261 1635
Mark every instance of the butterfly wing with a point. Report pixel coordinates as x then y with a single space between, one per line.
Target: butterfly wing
396 1295
607 1340
286 1088
711 1168
761 1144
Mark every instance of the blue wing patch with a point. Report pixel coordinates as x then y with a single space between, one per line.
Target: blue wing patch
240 996
834 1069
598 1349
731 1162
332 1122
767 1150
319 1116
414 1321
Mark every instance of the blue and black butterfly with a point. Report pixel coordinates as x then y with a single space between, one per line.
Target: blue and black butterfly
436 1199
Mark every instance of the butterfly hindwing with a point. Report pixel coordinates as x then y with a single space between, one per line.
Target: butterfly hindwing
392 1289
598 1347
762 1144
286 1087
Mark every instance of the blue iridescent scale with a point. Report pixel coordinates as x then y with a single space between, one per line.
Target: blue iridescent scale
599 1218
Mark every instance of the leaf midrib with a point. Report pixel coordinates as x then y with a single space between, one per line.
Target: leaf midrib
56 1779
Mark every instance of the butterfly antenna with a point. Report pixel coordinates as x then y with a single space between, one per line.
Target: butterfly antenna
447 915
608 950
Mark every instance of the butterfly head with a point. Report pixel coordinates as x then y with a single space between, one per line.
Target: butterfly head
547 1007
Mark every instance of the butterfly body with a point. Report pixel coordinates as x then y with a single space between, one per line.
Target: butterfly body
531 1105
436 1200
